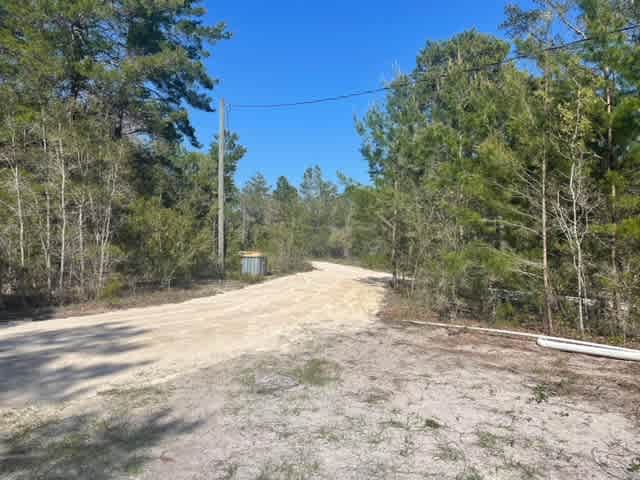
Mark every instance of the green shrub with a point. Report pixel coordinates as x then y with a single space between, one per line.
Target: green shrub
113 288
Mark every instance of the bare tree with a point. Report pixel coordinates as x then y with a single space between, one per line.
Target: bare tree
62 171
574 207
11 159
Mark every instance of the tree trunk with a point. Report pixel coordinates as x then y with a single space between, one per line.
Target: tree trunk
618 316
47 195
81 243
19 212
17 185
394 232
63 214
548 318
574 189
105 234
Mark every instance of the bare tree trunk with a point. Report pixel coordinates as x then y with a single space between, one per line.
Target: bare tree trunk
394 233
18 188
578 245
545 248
81 242
47 241
63 212
580 268
618 315
543 214
20 215
573 219
105 235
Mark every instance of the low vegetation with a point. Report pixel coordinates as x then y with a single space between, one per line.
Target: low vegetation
317 371
542 392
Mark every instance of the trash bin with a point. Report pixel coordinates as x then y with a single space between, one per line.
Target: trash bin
253 264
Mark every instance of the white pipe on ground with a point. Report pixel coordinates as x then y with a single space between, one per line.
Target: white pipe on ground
599 351
590 344
556 343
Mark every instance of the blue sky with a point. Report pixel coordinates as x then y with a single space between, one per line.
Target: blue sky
287 50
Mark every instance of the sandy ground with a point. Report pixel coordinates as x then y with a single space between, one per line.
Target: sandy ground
336 394
72 357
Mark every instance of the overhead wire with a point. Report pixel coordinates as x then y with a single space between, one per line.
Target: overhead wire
407 83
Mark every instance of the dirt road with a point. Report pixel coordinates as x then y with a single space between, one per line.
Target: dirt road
75 357
293 379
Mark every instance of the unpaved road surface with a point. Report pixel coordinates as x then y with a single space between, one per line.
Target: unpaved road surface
68 358
308 385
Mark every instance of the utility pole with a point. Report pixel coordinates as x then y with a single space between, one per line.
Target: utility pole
221 190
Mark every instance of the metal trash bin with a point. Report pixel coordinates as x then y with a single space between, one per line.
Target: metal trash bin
253 264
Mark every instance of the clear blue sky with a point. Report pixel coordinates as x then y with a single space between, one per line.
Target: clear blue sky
287 50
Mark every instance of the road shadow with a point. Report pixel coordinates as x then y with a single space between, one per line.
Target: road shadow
27 372
89 445
35 314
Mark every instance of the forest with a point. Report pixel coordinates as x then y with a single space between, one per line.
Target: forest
511 190
99 192
505 190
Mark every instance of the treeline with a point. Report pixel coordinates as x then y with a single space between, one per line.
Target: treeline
96 193
98 196
512 190
293 224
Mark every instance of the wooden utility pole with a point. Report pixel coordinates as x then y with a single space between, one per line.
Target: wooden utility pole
221 191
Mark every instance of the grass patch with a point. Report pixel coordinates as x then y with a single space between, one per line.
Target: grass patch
488 440
492 442
469 474
567 386
329 434
408 446
634 466
527 471
317 372
135 397
72 444
301 469
248 378
112 444
230 471
135 465
541 392
78 446
448 453
377 437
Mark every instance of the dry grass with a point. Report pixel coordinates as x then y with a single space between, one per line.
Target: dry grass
141 298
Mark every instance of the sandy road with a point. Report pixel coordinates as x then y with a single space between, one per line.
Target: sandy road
75 357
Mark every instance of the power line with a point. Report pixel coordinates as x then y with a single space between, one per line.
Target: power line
317 100
360 93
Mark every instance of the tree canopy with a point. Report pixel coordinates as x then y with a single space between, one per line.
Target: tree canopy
508 189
